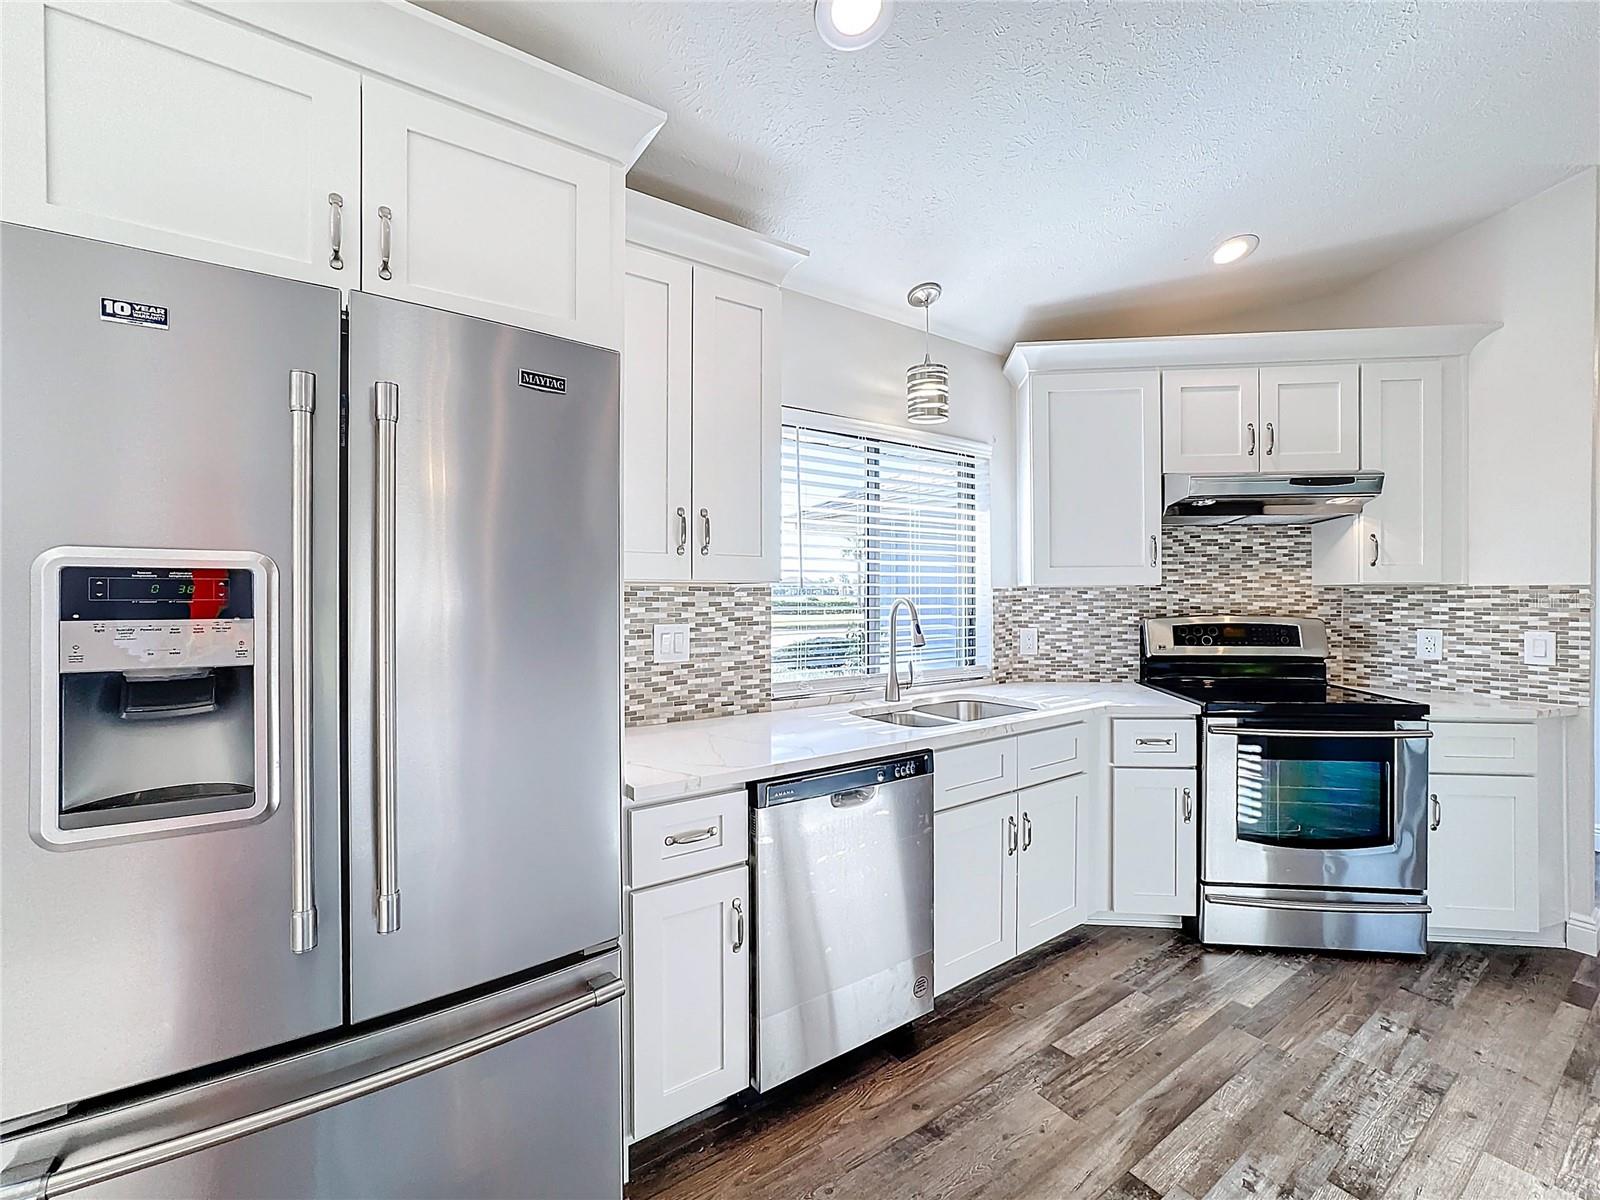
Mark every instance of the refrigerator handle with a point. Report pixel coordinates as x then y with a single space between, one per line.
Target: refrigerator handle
303 914
386 415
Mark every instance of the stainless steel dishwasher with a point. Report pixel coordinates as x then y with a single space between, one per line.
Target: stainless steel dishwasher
843 910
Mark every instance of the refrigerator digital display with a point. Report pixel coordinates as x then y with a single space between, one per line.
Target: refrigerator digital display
150 587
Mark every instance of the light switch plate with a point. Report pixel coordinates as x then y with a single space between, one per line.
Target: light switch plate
671 643
1539 648
1430 644
1027 642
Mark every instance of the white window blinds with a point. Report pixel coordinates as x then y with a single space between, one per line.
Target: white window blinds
868 518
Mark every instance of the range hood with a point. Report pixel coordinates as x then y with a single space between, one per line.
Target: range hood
1265 499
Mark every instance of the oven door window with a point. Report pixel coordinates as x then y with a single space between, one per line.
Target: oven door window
1316 793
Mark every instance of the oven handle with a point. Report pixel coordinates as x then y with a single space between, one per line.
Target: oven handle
1315 905
1399 735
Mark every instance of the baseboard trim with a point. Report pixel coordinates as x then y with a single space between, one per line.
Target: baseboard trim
1550 936
1136 920
1583 933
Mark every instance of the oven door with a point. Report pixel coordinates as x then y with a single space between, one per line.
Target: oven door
1342 804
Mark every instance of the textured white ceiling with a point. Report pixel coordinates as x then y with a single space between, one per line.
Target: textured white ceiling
1066 169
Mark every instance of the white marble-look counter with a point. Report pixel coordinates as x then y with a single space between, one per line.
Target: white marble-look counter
687 758
1470 706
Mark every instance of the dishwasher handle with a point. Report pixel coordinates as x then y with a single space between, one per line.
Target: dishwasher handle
853 797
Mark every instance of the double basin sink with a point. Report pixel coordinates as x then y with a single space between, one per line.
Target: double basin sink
933 714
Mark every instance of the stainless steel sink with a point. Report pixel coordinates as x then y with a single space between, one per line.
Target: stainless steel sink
916 720
969 710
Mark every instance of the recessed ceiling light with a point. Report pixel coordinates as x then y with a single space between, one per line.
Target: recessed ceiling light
1241 245
852 24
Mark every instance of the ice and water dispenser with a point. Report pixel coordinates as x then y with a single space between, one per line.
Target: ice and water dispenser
156 694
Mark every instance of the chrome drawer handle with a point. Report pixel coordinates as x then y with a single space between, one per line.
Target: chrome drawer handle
385 241
1152 741
689 839
1438 813
335 230
1396 735
1250 428
1272 439
705 537
1338 906
1011 827
1374 560
1027 831
738 935
683 530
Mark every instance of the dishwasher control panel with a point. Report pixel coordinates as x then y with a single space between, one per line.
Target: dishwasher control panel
845 779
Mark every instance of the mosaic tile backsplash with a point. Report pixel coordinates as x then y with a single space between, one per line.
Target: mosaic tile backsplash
1093 633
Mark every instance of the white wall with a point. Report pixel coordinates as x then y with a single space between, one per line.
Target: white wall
1531 385
837 360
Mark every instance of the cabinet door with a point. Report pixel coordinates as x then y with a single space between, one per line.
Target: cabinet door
1052 896
1311 418
1401 532
657 383
1154 849
690 996
975 851
737 429
1094 498
165 128
1483 859
487 219
1211 421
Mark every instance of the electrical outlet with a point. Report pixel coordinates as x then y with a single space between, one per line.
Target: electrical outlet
1430 644
1027 642
671 643
1539 648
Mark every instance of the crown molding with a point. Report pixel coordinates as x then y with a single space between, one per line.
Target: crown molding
673 229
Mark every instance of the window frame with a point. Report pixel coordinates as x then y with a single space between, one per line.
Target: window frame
983 621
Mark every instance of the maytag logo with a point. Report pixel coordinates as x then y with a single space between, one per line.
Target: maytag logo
541 382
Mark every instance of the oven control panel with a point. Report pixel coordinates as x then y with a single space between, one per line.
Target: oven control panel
1248 634
1299 637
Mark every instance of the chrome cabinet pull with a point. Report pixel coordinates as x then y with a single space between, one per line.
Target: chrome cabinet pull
385 241
683 530
1374 560
1011 830
1027 831
302 892
1272 439
705 535
738 933
1250 428
1155 549
1438 813
1152 741
386 415
1188 806
335 230
689 839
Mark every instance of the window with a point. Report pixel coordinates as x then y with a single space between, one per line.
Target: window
869 516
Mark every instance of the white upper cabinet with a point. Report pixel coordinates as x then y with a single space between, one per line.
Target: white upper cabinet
464 212
274 137
1310 418
1399 536
702 408
1211 421
1092 505
161 127
657 392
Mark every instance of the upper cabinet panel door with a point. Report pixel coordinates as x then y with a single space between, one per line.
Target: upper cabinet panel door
1211 421
164 128
734 528
1311 418
1095 468
657 388
471 215
1401 532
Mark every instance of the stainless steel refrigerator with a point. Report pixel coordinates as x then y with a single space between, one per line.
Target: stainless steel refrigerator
310 740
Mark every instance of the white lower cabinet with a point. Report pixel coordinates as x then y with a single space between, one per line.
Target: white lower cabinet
1052 867
1483 856
689 996
1154 841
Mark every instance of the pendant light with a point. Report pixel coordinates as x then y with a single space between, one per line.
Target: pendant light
928 382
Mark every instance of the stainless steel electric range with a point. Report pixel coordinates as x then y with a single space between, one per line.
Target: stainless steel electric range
1313 797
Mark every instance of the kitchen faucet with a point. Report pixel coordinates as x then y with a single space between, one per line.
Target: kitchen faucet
891 686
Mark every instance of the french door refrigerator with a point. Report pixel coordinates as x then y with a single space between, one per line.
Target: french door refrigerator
310 740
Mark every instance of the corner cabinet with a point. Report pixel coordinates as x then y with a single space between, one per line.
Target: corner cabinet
1092 464
701 399
488 183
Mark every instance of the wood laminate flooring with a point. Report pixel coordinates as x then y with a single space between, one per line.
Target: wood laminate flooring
1130 1064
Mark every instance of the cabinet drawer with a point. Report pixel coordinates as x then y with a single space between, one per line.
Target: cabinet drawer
1052 753
687 837
972 772
1483 748
1149 743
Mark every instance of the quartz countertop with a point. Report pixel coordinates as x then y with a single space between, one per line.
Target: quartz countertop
1470 706
687 758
